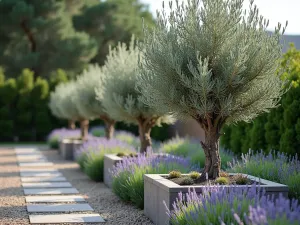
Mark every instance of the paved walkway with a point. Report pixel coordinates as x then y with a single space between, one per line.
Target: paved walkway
48 192
13 205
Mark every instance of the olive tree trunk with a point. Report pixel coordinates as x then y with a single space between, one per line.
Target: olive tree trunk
84 129
71 124
145 138
109 126
210 147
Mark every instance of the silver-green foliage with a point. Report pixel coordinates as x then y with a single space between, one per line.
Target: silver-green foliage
211 58
85 96
62 101
120 98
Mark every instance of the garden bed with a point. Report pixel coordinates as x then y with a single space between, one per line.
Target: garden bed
160 192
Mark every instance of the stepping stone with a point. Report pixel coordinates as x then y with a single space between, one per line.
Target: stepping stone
40 174
37 164
59 208
53 199
66 218
50 191
47 185
34 157
32 160
42 179
34 154
38 170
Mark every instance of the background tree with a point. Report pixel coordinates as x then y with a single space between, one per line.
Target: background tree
113 21
39 35
212 63
86 101
120 98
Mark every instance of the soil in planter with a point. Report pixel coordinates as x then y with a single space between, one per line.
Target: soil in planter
185 180
122 154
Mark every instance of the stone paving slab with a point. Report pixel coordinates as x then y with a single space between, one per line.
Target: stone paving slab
33 157
50 191
30 154
32 160
40 174
47 185
39 170
36 164
42 179
66 218
59 208
53 199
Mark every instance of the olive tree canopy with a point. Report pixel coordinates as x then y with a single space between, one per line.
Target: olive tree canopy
121 99
85 97
211 61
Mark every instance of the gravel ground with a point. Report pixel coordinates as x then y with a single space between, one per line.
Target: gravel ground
100 198
12 201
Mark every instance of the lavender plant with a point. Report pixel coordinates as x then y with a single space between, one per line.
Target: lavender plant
274 166
128 137
211 61
243 206
186 147
90 156
57 135
128 180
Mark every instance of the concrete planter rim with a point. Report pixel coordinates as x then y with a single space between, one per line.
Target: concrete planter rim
169 186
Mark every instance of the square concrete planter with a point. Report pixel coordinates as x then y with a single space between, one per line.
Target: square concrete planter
109 161
76 145
66 149
158 190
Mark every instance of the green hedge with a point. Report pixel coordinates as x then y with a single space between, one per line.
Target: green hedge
24 112
278 130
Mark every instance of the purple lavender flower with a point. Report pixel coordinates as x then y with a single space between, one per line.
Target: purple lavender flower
223 205
59 134
274 166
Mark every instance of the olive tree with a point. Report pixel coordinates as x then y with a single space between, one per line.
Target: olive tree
214 62
54 102
120 98
85 97
66 104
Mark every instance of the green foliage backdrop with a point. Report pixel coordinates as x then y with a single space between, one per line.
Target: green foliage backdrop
280 129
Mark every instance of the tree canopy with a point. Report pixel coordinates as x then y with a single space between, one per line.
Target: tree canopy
120 99
113 21
39 35
211 61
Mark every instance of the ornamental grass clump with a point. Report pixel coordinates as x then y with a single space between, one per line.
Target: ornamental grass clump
128 175
128 137
90 156
212 61
191 148
57 135
98 131
242 206
274 166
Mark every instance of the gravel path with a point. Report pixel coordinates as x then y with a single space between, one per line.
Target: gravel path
100 198
12 202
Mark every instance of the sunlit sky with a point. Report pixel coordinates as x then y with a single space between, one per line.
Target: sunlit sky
274 10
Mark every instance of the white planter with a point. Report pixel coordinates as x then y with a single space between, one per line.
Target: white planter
158 190
109 161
